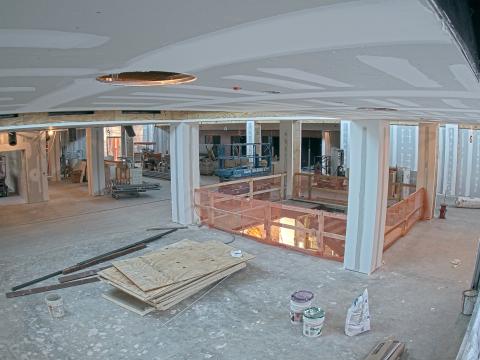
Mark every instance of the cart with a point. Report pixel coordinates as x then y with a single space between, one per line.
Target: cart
132 189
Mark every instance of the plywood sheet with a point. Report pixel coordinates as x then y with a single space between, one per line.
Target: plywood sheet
172 264
200 282
187 292
128 302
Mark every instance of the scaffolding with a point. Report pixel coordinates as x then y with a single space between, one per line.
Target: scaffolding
236 161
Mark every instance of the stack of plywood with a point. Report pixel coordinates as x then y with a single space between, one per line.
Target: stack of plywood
163 278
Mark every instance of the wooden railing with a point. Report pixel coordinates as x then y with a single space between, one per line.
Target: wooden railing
315 232
333 190
270 187
247 207
402 216
320 188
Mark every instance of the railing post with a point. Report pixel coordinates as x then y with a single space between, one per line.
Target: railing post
282 187
211 208
268 222
404 210
310 178
250 183
321 230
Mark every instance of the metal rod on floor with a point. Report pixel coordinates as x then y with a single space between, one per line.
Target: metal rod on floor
104 258
51 287
92 260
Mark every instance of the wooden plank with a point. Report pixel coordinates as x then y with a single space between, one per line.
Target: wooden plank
240 181
81 275
128 302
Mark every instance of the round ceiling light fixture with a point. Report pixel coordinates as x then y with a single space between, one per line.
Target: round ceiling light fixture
146 78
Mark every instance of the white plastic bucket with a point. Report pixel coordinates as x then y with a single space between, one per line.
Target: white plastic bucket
469 300
313 319
55 305
299 301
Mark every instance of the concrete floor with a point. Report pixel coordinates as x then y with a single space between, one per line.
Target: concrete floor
415 296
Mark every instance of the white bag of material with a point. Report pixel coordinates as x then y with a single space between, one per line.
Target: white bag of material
358 316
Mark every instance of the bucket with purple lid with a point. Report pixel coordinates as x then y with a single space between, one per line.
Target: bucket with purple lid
299 301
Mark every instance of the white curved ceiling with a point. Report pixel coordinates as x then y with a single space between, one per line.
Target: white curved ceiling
326 58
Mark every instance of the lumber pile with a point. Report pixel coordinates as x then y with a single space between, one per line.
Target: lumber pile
166 277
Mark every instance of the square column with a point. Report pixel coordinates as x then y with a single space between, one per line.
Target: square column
367 195
290 151
161 136
254 136
54 154
427 165
95 161
184 170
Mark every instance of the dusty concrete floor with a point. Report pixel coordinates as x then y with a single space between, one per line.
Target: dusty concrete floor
415 297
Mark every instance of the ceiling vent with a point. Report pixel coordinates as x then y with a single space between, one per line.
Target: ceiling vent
66 113
146 78
7 116
137 112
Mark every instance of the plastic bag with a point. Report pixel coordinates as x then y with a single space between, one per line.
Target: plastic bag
358 316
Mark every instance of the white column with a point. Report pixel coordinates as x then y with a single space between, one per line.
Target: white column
54 153
290 151
450 160
345 142
95 161
254 136
162 139
367 195
184 170
428 164
326 143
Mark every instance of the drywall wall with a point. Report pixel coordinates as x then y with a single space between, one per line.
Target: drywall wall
34 169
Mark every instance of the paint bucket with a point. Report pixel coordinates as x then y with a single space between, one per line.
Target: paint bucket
313 319
299 301
469 300
55 305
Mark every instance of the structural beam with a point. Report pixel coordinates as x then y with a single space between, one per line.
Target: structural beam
428 165
95 161
184 170
290 151
367 195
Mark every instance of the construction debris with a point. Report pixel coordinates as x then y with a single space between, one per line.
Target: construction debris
387 350
164 278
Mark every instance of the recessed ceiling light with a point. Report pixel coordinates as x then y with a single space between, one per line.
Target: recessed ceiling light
146 78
